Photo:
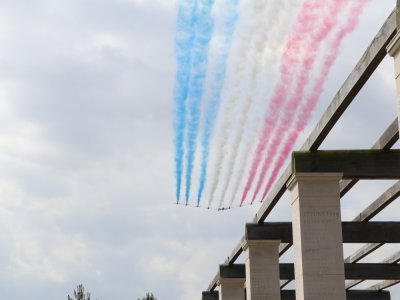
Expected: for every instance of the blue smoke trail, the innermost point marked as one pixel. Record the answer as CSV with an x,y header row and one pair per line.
x,y
203,32
184,38
216,89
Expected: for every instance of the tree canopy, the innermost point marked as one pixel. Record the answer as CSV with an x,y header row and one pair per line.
x,y
79,293
149,296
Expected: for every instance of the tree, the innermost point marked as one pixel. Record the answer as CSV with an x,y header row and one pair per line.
x,y
149,296
79,293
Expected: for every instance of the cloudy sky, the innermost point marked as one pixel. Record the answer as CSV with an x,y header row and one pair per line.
x,y
86,152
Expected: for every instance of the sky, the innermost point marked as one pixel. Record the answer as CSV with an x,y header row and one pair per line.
x,y
87,187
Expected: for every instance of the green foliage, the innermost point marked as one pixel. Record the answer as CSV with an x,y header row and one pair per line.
x,y
79,293
149,296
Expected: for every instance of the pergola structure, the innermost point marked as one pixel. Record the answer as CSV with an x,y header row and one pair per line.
x,y
317,180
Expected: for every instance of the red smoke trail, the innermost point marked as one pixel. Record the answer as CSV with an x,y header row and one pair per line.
x,y
329,22
313,98
289,59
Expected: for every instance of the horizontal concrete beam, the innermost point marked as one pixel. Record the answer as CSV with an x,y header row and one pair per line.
x,y
291,295
232,271
214,295
353,232
369,271
353,164
386,141
393,259
365,271
350,295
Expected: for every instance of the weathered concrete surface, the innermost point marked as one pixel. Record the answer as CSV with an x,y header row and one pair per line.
x,y
317,237
352,164
231,288
262,270
350,295
214,295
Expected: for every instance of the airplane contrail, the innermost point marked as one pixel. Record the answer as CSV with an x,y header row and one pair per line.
x,y
326,25
312,99
233,88
184,37
265,42
203,29
217,81
292,52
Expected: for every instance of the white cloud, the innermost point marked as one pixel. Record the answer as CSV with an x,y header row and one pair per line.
x,y
86,162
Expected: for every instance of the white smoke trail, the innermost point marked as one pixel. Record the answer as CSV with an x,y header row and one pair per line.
x,y
265,52
235,78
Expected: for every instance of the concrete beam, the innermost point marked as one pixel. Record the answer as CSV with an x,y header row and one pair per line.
x,y
371,232
353,164
383,285
398,14
368,271
365,271
353,232
214,295
350,295
372,210
214,283
232,271
385,142
362,252
393,259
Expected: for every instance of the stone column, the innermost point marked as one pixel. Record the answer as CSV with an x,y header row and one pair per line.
x,y
393,49
231,288
262,270
317,236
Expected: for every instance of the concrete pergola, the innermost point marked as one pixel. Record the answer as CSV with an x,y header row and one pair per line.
x,y
317,180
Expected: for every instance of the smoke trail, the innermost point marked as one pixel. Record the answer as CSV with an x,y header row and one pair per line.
x,y
183,44
204,29
263,42
234,88
257,47
244,159
317,90
217,83
290,58
329,22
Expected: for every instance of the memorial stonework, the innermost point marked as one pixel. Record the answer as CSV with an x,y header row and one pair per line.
x,y
262,270
317,237
231,288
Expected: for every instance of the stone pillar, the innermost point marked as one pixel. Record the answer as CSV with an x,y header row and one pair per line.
x,y
262,270
210,295
317,236
393,49
231,288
